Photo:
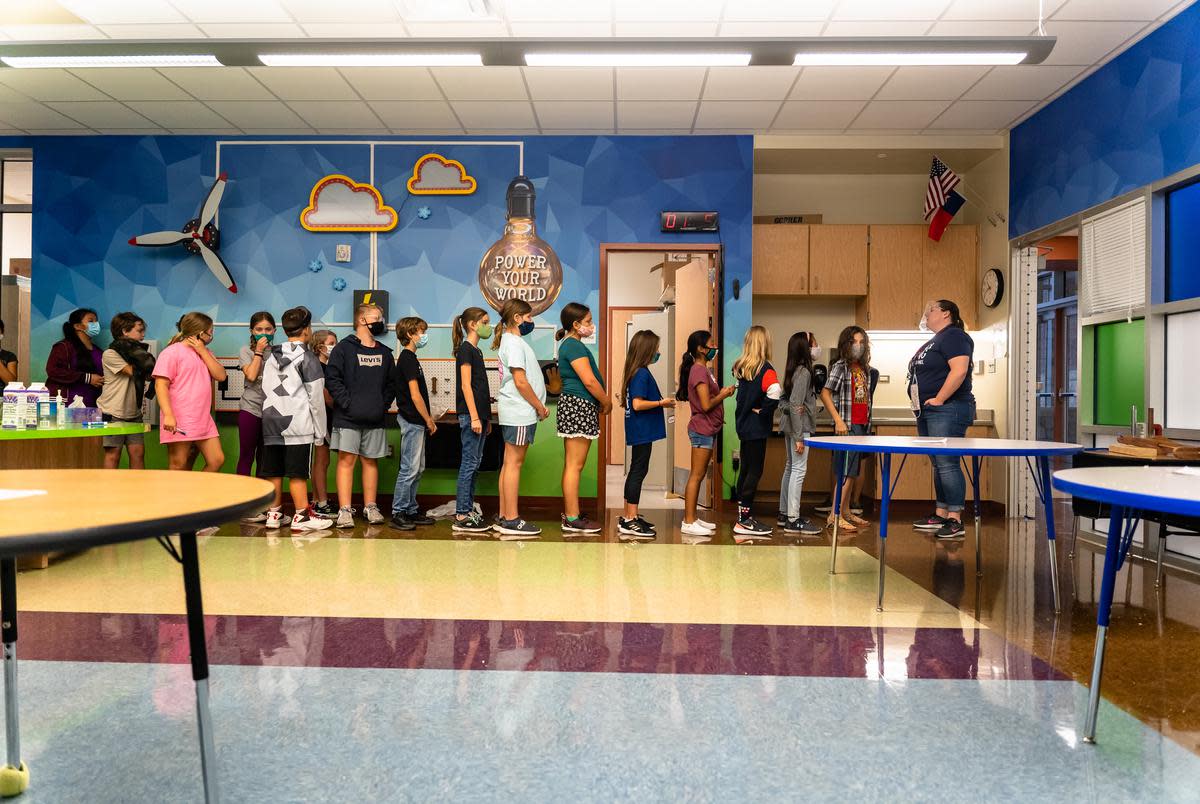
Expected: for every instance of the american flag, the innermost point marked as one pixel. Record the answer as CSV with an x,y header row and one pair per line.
x,y
941,181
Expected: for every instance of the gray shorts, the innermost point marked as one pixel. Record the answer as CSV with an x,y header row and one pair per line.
x,y
366,443
121,440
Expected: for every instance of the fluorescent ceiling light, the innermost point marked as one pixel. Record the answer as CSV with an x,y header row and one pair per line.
x,y
617,59
371,59
839,59
70,62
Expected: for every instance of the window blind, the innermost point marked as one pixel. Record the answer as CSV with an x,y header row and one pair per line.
x,y
1113,270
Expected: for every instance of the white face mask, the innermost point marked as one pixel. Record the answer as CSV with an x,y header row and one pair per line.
x,y
816,352
923,325
856,351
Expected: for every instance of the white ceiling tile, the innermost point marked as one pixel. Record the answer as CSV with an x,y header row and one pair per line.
x,y
736,114
563,30
503,132
49,85
179,114
930,83
336,114
416,114
983,28
107,12
890,9
473,30
765,28
660,114
355,131
392,83
573,132
31,116
481,83
56,132
1086,43
1113,9
834,114
429,132
132,84
569,83
257,114
635,10
360,11
913,115
653,83
159,31
51,33
654,132
204,131
665,29
982,115
217,83
355,30
1022,83
102,114
557,11
232,10
749,83
495,114
281,130
839,83
303,83
9,95
574,114
252,30
1025,10
136,132
779,10
872,28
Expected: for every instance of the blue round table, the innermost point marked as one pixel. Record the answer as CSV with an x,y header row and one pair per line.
x,y
974,448
1129,491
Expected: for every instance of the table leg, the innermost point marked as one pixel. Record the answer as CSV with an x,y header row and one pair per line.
x,y
14,776
837,509
196,640
1048,504
1112,558
883,522
975,462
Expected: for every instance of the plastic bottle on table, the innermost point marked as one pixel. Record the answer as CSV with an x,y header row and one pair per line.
x,y
60,410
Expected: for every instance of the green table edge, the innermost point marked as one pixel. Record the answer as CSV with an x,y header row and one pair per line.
x,y
109,429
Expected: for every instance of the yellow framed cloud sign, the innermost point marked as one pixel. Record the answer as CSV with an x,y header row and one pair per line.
x,y
434,174
337,203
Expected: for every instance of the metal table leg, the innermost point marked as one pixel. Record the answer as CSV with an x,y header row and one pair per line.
x,y
199,650
1112,560
1048,503
883,523
14,776
975,461
837,510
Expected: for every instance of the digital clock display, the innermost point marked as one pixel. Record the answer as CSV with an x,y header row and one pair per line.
x,y
689,221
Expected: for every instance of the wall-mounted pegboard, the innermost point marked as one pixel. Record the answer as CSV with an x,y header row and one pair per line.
x,y
440,379
229,393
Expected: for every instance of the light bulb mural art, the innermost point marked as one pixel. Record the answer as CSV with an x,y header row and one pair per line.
x,y
520,265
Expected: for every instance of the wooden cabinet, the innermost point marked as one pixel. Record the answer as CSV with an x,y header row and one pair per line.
x,y
895,300
949,269
780,259
818,478
837,260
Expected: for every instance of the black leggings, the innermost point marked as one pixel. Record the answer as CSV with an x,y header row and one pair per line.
x,y
754,455
639,465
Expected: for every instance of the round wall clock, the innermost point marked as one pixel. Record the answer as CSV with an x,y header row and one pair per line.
x,y
993,287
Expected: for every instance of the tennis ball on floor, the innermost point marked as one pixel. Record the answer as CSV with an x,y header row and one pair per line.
x,y
13,781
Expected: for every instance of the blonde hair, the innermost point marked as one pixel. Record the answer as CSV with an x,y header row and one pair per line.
x,y
642,348
361,310
458,328
756,352
508,312
191,325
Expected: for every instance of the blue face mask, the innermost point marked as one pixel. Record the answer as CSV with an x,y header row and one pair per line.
x,y
657,355
423,341
525,328
93,329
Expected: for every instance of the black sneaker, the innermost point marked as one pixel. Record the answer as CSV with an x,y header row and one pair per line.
x,y
931,522
401,522
420,519
517,530
781,520
646,523
471,523
580,524
325,509
634,529
751,528
951,529
802,525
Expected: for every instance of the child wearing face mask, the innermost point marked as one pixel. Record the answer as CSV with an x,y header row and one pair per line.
x,y
473,402
847,397
183,382
322,343
521,404
250,358
414,418
75,365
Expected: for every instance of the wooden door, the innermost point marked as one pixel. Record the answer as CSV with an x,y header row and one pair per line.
x,y
780,259
837,260
949,269
693,311
895,272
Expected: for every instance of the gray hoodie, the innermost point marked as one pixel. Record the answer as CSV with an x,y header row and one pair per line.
x,y
791,421
293,385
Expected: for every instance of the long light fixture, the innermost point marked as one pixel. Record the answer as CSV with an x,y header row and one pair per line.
x,y
618,59
896,59
371,59
80,62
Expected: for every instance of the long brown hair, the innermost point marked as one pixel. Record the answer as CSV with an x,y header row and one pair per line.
x,y
261,315
508,312
460,325
191,324
799,355
571,314
846,340
642,348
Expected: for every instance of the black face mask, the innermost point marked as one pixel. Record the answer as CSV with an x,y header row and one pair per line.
x,y
377,328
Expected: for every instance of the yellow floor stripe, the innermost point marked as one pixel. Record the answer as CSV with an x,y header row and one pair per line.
x,y
336,577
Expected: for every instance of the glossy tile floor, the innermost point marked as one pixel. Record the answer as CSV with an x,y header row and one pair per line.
x,y
375,665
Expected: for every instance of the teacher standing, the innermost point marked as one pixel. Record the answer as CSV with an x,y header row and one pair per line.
x,y
939,388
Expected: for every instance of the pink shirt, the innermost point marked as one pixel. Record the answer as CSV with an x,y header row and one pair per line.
x,y
191,394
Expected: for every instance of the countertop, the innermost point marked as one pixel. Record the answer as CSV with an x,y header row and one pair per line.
x,y
74,432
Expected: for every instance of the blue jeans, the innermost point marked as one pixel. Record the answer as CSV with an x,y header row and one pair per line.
x,y
950,420
795,468
412,464
468,467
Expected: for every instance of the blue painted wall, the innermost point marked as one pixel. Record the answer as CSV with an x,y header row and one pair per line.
x,y
1134,121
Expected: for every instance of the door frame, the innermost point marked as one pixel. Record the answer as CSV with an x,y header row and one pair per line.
x,y
715,252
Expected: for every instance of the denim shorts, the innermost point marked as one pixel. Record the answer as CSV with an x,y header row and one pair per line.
x,y
701,441
519,435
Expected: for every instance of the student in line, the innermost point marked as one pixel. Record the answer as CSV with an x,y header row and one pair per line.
x,y
698,387
581,403
321,344
847,397
472,400
758,394
183,382
293,419
128,366
8,362
360,382
796,423
521,403
414,418
74,366
250,358
644,424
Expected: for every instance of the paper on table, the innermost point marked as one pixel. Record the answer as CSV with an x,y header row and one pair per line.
x,y
16,494
1188,470
930,440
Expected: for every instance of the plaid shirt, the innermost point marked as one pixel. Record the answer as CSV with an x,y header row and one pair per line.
x,y
841,387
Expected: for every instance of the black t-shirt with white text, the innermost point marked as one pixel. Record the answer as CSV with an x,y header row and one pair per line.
x,y
930,366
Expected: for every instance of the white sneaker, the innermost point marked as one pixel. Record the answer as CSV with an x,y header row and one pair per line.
x,y
345,518
686,539
278,519
261,516
707,525
303,522
373,514
695,529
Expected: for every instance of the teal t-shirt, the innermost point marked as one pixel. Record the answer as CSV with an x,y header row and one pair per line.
x,y
569,350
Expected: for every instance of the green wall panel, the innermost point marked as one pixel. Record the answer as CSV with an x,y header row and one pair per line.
x,y
1120,379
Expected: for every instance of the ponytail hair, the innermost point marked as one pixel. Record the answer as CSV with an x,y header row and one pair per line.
x,y
69,332
508,312
191,324
571,314
955,316
458,327
695,342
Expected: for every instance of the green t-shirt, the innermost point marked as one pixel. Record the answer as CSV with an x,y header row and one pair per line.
x,y
570,349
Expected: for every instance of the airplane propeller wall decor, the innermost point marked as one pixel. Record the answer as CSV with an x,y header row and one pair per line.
x,y
199,236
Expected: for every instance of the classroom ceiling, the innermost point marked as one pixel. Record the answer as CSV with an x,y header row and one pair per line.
x,y
523,100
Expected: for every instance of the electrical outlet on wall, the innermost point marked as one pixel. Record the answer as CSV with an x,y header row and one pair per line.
x,y
342,253
991,367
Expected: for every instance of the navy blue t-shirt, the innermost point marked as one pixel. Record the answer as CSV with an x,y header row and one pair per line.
x,y
930,366
644,426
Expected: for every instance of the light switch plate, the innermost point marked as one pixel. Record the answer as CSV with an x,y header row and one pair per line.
x,y
342,253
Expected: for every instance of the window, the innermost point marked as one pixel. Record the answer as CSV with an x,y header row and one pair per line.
x,y
16,216
1183,243
1183,405
1113,252
1120,371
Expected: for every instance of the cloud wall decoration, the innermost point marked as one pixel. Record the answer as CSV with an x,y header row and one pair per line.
x,y
337,203
434,174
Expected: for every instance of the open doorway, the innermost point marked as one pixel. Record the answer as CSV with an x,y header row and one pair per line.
x,y
672,291
1057,375
16,252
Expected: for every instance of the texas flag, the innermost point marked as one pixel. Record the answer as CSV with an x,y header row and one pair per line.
x,y
943,216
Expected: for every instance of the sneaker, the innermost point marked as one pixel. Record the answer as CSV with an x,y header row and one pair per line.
x,y
325,509
373,514
261,516
856,509
695,529
515,529
420,520
345,517
401,521
693,539
802,525
931,522
646,523
710,525
824,507
471,523
310,521
751,527
278,519
951,529
634,529
580,524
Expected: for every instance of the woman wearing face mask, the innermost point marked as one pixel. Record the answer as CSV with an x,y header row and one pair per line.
x,y
580,405
183,383
250,358
75,366
939,388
